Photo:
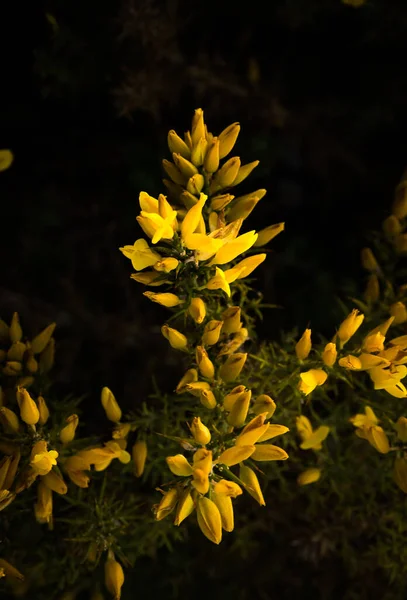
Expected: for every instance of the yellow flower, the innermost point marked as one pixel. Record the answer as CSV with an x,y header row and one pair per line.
x,y
109,403
209,519
303,346
329,354
350,362
399,312
310,439
43,506
232,367
140,254
264,403
166,299
230,398
190,376
200,432
265,452
309,476
368,429
42,459
185,507
390,380
212,332
311,379
67,433
179,465
205,365
192,219
139,455
251,484
218,282
272,431
228,488
166,265
200,481
233,248
55,482
207,398
167,504
349,326
231,320
197,310
156,227
374,342
227,139
114,576
368,419
9,419
269,233
176,339
243,207
244,268
225,507
239,407
236,454
29,412
43,409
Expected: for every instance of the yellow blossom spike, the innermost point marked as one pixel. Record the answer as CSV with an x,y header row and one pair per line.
x,y
316,438
200,432
43,410
398,310
167,504
177,145
179,465
110,405
369,261
266,452
350,362
139,455
67,433
227,139
212,332
232,367
311,379
197,310
309,476
236,454
166,265
232,249
43,506
189,377
251,484
29,412
41,340
173,173
231,319
200,481
165,299
244,171
221,201
9,570
218,282
272,431
15,331
225,507
303,346
372,291
9,420
185,507
349,326
269,233
209,519
207,398
227,488
211,161
205,365
192,218
55,482
148,203
400,473
177,340
329,354
114,576
264,403
239,409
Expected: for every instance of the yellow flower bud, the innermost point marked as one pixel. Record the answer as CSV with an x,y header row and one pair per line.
x,y
303,346
269,233
43,506
47,357
200,481
244,172
173,173
109,403
239,409
251,436
242,208
55,482
226,175
401,428
196,387
185,507
211,162
378,439
329,354
264,403
200,432
179,465
177,145
350,362
308,476
139,455
227,488
272,431
212,332
9,570
369,261
372,291
202,459
230,398
207,399
197,310
225,507
244,268
29,412
391,226
16,351
15,331
190,376
205,365
67,433
198,126
399,312
232,367
177,340
220,202
9,420
236,454
231,320
233,248
39,343
400,473
194,187
349,326
209,519
165,299
227,139
374,342
192,219
114,577
167,504
251,484
184,166
199,151
266,452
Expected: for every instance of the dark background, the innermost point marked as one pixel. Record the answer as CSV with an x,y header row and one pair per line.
x,y
89,91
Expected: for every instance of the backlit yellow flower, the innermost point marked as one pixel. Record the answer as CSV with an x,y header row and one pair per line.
x,y
311,379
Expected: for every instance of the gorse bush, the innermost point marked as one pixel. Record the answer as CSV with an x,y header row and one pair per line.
x,y
306,421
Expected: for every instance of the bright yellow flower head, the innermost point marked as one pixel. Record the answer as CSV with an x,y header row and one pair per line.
x,y
140,254
43,462
311,379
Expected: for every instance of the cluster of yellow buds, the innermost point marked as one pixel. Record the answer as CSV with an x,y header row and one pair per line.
x,y
22,360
